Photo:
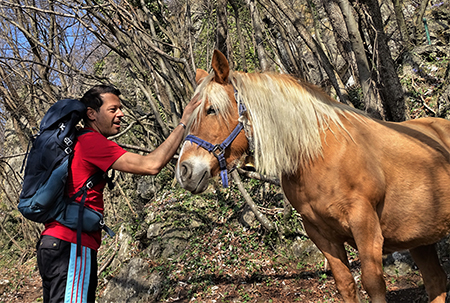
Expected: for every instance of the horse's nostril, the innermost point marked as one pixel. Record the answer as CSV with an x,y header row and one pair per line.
x,y
186,171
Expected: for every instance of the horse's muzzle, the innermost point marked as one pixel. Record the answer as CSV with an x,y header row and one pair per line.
x,y
193,177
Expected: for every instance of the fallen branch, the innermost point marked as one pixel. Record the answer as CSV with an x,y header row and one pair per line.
x,y
426,106
275,211
110,259
10,237
126,199
258,176
259,216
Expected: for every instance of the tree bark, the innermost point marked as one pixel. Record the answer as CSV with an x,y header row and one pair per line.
x,y
259,216
394,102
280,35
371,100
235,7
398,9
16,108
341,36
315,48
222,27
418,26
259,38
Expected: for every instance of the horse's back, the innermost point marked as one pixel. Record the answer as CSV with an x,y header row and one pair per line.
x,y
436,128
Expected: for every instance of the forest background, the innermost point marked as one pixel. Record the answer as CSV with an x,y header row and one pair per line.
x,y
387,57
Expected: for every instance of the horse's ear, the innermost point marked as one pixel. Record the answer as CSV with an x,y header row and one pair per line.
x,y
220,66
200,75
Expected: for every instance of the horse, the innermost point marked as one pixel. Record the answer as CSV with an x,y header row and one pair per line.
x,y
379,186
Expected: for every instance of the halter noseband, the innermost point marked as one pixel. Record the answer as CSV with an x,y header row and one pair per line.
x,y
218,150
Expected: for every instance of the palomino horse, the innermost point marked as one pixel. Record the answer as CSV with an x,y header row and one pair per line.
x,y
379,186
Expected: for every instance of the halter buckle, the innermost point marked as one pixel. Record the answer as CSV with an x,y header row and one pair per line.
x,y
219,148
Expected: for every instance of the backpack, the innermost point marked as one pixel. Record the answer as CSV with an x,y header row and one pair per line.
x,y
42,197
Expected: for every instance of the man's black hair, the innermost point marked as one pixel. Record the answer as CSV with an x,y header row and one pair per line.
x,y
92,98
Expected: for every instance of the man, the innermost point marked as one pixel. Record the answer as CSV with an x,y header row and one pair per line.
x,y
66,277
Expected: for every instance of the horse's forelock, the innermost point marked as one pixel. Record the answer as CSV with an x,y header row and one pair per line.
x,y
211,94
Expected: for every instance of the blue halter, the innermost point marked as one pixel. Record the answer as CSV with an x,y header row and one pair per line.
x,y
218,150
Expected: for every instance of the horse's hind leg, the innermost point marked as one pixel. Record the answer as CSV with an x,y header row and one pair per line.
x,y
433,275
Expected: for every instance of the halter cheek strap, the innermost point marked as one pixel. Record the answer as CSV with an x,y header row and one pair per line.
x,y
218,150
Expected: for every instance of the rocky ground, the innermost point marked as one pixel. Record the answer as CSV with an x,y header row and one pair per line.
x,y
271,284
223,262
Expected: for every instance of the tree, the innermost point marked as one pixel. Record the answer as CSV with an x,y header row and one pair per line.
x,y
222,27
393,99
372,101
259,36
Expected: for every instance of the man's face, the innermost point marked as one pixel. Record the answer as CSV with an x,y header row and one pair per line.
x,y
107,120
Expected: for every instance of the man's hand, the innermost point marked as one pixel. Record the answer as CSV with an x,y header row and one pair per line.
x,y
189,109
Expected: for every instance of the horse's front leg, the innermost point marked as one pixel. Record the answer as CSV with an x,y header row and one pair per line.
x,y
366,231
337,258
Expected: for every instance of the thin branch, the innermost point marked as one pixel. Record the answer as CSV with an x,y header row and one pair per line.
x,y
13,156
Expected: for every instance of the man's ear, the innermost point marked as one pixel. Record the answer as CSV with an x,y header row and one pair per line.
x,y
90,114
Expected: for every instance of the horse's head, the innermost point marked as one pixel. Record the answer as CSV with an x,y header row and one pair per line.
x,y
216,138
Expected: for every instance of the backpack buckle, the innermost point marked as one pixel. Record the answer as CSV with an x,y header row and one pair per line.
x,y
68,150
89,184
67,141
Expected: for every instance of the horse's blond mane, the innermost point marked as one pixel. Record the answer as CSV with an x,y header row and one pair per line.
x,y
287,117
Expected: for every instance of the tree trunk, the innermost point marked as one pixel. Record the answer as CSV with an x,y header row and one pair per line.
x,y
398,9
235,7
268,225
33,36
418,26
189,26
257,27
315,48
371,100
341,37
392,91
16,108
278,32
222,27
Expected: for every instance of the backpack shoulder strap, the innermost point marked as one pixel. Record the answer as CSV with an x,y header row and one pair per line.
x,y
90,183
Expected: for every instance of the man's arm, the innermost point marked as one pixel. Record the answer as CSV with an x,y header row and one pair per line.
x,y
152,163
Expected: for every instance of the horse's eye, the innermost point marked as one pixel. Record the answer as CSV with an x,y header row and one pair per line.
x,y
210,111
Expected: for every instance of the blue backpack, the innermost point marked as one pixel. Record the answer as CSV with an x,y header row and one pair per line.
x,y
42,197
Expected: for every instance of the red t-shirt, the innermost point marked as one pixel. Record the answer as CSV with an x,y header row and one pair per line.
x,y
92,152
